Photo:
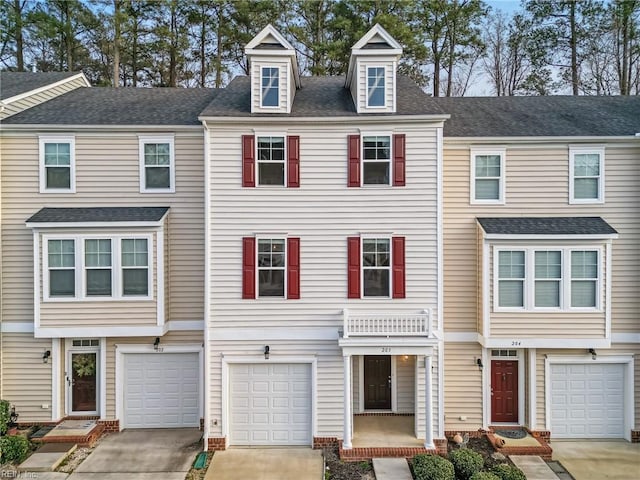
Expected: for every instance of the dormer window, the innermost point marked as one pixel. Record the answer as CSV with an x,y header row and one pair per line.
x,y
375,86
270,92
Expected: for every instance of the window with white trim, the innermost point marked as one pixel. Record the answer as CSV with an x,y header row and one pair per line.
x,y
157,164
376,159
531,279
586,174
97,267
271,267
57,165
376,86
487,176
376,267
271,160
270,87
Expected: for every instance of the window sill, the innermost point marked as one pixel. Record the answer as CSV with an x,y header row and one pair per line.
x,y
96,299
159,190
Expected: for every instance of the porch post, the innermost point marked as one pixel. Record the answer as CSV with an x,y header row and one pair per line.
x,y
428,403
346,439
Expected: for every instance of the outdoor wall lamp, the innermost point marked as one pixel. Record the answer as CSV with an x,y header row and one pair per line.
x,y
479,363
266,352
45,356
593,353
156,344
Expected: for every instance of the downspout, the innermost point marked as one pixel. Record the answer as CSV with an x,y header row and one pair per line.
x,y
207,307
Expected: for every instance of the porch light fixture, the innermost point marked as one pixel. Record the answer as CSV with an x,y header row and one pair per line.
x,y
266,352
593,353
156,344
13,416
45,356
479,363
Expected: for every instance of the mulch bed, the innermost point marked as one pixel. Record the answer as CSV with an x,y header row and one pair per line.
x,y
335,469
482,446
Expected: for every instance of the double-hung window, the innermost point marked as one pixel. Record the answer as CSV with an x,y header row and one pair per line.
x,y
487,176
375,86
57,165
135,267
584,279
271,267
98,267
376,267
548,278
511,278
271,161
586,174
157,164
376,159
270,87
62,268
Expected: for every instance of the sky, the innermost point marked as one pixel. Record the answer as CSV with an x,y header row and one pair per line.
x,y
507,6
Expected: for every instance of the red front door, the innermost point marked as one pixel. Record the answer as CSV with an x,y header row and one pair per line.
x,y
504,391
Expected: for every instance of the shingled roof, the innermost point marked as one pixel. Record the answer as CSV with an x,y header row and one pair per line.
x,y
319,97
98,214
15,83
546,226
120,106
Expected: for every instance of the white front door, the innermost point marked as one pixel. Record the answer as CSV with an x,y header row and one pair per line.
x,y
82,371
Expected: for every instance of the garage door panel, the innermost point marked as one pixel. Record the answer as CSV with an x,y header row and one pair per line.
x,y
279,399
587,400
161,390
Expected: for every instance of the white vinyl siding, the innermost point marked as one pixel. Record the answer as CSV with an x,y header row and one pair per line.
x,y
586,174
488,176
157,164
57,164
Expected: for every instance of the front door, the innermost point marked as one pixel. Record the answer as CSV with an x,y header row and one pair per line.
x,y
377,382
82,382
504,391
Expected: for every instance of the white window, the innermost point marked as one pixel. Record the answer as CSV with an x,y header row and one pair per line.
x,y
584,279
375,86
562,279
586,174
57,165
92,267
271,267
271,160
157,165
376,159
488,176
270,87
376,267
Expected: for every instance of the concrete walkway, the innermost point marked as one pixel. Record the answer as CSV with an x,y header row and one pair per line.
x,y
533,467
266,464
605,460
391,469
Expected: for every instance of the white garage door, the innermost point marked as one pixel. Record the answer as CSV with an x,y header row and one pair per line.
x,y
161,390
587,400
270,404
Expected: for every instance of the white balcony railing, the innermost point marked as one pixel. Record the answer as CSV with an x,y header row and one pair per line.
x,y
386,325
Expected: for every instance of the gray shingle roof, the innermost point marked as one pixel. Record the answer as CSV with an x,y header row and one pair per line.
x,y
546,226
15,83
98,214
120,106
318,97
541,116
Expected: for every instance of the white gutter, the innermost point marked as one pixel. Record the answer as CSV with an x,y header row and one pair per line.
x,y
339,120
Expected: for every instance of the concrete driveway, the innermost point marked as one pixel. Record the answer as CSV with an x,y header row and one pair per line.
x,y
266,464
601,459
142,455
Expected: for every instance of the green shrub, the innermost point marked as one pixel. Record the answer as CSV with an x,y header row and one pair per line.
x,y
5,411
466,462
432,467
508,472
484,476
13,449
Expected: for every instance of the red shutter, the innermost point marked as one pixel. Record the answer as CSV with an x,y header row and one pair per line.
x,y
353,267
293,268
293,161
248,267
398,160
397,255
354,160
248,161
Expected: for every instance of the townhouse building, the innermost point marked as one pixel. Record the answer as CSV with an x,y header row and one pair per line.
x,y
288,258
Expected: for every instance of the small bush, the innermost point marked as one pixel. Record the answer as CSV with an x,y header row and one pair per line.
x,y
5,411
13,449
466,462
508,472
432,467
484,476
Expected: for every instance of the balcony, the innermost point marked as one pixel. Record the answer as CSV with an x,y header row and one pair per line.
x,y
387,325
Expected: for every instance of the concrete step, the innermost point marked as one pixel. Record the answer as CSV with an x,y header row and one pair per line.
x,y
391,469
47,458
533,467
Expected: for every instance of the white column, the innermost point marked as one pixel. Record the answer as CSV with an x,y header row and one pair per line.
x,y
346,439
428,404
